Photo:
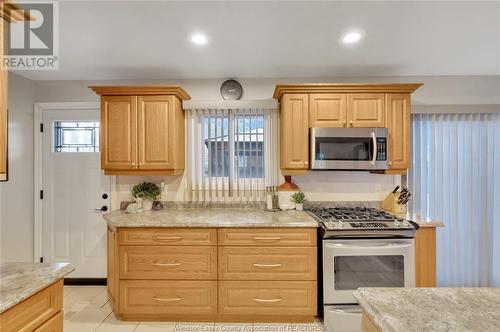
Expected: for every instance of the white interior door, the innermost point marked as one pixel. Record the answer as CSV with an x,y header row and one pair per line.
x,y
73,188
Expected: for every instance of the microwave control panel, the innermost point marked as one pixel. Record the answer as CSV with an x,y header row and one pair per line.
x,y
381,149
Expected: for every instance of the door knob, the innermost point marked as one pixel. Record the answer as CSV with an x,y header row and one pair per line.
x,y
103,209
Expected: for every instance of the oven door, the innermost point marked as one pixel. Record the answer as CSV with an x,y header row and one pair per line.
x,y
349,148
350,264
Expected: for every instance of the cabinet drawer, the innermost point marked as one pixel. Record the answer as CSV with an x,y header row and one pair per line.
x,y
162,262
35,310
168,236
267,236
168,297
55,324
267,298
267,263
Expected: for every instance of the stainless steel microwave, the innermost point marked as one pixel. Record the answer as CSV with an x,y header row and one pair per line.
x,y
349,149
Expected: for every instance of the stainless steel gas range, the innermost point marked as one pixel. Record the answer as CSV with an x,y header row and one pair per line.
x,y
361,247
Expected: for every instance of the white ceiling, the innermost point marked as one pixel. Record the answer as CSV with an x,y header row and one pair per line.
x,y
149,40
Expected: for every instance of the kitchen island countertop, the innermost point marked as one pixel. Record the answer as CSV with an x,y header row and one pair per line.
x,y
19,281
432,309
211,217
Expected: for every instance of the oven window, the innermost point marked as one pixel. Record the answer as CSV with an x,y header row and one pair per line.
x,y
343,148
352,272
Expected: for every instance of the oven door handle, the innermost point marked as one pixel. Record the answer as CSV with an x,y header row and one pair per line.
x,y
370,246
375,150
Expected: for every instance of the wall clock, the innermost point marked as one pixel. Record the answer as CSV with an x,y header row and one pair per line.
x,y
231,90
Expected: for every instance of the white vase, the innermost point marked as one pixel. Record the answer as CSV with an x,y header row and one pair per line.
x,y
147,204
285,200
299,206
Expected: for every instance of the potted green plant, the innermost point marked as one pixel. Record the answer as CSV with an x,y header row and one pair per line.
x,y
148,191
298,198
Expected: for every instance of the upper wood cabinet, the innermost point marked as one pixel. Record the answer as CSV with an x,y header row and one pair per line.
x,y
303,106
4,75
142,130
398,124
327,110
118,132
9,13
294,133
366,110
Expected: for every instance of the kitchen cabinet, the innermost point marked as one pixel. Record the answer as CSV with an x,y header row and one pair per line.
x,y
399,127
218,274
366,110
336,105
328,110
425,257
9,13
4,93
142,130
294,119
39,312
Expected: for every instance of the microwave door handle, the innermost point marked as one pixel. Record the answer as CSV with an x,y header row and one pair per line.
x,y
375,150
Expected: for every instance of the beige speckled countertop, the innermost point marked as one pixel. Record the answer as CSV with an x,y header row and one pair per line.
x,y
18,281
432,309
211,217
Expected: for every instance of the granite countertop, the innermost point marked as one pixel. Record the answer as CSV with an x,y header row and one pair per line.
x,y
432,309
18,281
211,217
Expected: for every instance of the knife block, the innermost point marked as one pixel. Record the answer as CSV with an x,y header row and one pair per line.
x,y
390,203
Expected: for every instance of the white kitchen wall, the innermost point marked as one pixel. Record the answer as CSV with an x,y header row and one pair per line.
x,y
317,185
16,206
16,195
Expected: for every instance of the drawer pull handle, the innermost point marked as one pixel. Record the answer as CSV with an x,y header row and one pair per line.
x,y
172,299
267,265
269,238
268,300
166,238
167,264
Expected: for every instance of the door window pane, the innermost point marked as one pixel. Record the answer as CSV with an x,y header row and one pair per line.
x,y
352,272
76,136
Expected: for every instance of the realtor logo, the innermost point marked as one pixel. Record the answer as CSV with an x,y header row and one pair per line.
x,y
33,44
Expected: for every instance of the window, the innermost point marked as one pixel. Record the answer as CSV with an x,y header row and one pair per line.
x,y
76,136
231,153
234,145
455,178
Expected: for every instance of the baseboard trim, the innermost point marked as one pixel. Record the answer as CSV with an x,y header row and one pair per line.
x,y
85,281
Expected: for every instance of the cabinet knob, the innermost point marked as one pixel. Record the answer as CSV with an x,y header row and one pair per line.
x,y
345,123
132,165
390,163
351,124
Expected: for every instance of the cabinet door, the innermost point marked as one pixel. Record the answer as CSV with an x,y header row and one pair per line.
x,y
398,125
3,107
294,132
119,132
327,110
156,132
366,110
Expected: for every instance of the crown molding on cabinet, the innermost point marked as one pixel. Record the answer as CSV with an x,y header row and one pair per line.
x,y
148,90
345,88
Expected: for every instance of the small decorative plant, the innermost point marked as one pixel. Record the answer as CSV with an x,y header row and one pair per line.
x,y
146,190
298,198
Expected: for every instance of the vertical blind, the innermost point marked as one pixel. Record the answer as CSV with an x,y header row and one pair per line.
x,y
455,175
232,154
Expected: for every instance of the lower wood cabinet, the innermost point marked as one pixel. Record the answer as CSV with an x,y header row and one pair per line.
x,y
425,257
36,313
270,298
168,298
226,274
267,263
168,262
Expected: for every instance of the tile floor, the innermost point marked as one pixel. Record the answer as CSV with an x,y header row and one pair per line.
x,y
86,309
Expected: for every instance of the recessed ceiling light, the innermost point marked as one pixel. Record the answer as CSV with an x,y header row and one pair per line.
x,y
352,37
199,39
